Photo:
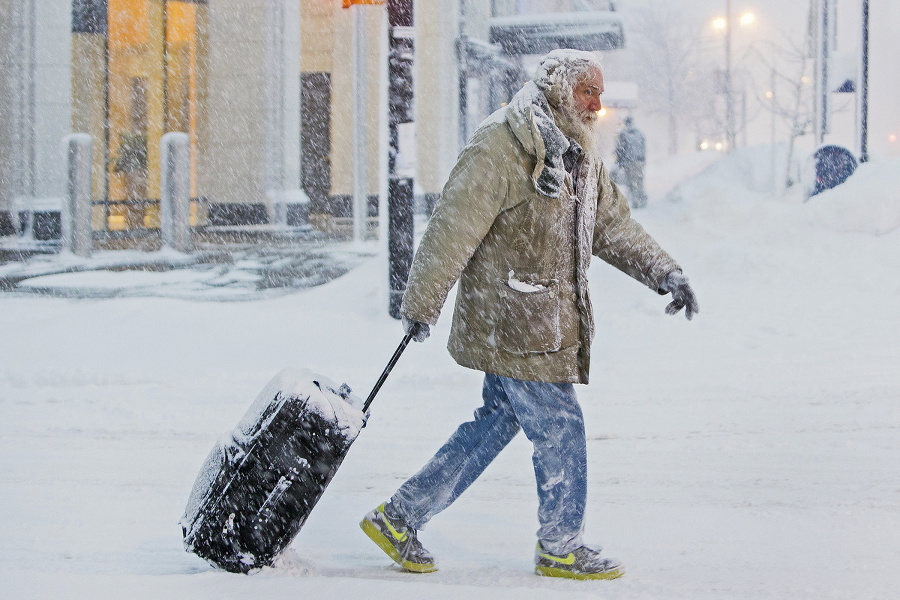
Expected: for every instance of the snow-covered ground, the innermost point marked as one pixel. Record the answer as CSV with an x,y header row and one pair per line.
x,y
751,453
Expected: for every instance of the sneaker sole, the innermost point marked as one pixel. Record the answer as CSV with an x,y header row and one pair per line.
x,y
565,573
385,544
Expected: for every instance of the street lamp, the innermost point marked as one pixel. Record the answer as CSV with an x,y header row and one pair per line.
x,y
724,24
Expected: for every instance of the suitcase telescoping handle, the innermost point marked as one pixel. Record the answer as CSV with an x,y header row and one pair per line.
x,y
387,370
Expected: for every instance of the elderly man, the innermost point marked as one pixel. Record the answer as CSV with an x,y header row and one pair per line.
x,y
526,206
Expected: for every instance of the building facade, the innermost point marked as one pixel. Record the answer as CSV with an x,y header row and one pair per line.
x,y
128,71
264,89
35,105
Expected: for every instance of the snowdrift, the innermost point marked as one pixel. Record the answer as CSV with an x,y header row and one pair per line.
x,y
868,202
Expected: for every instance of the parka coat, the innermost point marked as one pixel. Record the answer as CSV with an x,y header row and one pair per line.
x,y
521,257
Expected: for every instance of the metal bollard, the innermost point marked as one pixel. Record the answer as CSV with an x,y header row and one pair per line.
x,y
75,220
175,192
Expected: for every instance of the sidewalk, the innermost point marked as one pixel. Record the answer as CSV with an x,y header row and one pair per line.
x,y
226,265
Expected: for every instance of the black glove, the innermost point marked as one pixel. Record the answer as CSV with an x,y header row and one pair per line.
x,y
682,295
419,330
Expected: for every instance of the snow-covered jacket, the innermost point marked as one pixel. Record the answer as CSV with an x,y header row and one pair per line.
x,y
521,256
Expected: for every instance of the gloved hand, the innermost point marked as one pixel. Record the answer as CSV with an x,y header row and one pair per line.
x,y
419,330
682,295
552,177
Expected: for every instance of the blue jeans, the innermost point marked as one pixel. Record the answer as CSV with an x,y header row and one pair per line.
x,y
551,418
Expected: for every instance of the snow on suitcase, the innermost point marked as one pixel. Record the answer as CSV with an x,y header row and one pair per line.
x,y
260,482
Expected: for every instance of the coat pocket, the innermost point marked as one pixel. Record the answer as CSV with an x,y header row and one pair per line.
x,y
529,320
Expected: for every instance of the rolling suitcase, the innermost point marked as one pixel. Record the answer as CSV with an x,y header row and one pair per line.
x,y
261,480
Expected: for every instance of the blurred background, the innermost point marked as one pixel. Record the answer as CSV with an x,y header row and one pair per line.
x,y
267,91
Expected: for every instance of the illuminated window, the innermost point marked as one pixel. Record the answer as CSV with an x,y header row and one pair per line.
x,y
152,89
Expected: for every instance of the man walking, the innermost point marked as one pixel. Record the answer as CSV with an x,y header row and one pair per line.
x,y
631,156
526,206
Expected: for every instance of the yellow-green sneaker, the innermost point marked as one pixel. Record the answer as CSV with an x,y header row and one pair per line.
x,y
397,540
581,563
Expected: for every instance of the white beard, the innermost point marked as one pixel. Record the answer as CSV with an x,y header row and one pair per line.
x,y
580,125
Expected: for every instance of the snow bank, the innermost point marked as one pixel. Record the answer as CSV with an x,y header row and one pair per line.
x,y
868,202
738,190
745,173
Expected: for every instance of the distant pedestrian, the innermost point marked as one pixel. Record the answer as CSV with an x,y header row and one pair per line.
x,y
527,205
631,156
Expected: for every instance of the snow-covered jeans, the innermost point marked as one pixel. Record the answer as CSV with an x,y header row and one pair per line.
x,y
551,418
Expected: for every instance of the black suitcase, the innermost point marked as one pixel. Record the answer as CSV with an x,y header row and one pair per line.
x,y
260,482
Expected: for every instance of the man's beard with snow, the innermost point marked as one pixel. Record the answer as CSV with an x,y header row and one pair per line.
x,y
578,124
557,76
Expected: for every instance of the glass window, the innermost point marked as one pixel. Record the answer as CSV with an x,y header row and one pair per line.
x,y
152,89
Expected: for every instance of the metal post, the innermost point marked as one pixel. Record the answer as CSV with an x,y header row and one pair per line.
x,y
400,184
29,105
274,107
775,186
360,138
731,135
864,87
823,50
743,117
175,191
75,221
462,45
